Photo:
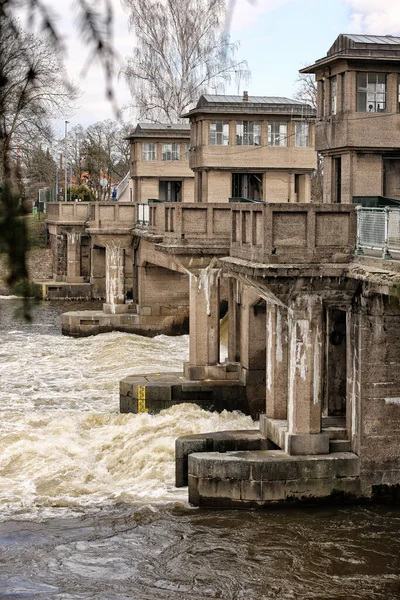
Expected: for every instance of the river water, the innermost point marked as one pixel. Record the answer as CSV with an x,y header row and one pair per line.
x,y
88,509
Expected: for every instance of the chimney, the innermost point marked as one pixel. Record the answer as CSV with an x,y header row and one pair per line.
x,y
245,96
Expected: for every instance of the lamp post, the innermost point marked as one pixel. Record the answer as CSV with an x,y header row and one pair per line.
x,y
65,162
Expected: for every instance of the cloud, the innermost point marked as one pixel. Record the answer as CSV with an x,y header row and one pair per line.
x,y
246,13
375,16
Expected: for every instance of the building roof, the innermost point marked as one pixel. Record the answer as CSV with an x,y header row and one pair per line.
x,y
160,130
366,47
249,104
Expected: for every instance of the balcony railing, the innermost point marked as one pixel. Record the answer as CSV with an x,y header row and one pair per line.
x,y
116,215
68,212
293,233
191,223
378,229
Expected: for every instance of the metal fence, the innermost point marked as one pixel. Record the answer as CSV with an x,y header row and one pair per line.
x,y
143,215
378,229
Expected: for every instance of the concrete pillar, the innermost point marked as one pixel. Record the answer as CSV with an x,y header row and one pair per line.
x,y
277,362
292,189
204,319
74,257
233,320
115,279
305,378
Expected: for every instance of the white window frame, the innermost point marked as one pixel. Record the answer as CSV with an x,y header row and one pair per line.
x,y
277,133
219,133
333,95
149,151
248,133
171,151
371,97
302,134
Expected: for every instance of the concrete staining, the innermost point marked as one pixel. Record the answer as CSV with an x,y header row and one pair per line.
x,y
288,325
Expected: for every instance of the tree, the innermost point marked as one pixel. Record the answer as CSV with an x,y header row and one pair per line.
x,y
40,171
30,91
95,22
181,52
307,92
106,156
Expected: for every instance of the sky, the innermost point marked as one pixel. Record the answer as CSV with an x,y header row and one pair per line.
x,y
277,38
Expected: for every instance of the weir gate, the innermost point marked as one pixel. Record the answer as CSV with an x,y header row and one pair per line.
x,y
313,337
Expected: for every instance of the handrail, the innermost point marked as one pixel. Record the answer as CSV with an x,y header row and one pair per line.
x,y
378,229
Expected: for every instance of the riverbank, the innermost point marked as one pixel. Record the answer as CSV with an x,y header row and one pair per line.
x,y
39,267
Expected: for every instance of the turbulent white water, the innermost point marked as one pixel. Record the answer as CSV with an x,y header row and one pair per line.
x,y
62,441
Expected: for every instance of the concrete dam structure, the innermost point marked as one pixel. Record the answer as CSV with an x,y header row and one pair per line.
x,y
312,291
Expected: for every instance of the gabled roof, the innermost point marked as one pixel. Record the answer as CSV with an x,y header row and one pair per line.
x,y
364,47
249,104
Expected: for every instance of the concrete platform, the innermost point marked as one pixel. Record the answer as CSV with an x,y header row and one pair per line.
x,y
93,322
157,391
263,478
219,441
53,290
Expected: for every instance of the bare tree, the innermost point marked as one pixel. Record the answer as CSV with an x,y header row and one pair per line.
x,y
106,156
307,92
182,51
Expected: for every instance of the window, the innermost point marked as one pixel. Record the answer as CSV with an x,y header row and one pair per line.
x,y
187,148
170,152
301,133
371,92
398,94
337,179
248,133
277,134
170,191
219,133
149,151
333,95
247,185
343,95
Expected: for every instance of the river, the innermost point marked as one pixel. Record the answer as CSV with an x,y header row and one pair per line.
x,y
88,508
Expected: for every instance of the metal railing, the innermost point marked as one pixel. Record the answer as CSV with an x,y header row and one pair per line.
x,y
378,229
143,215
121,187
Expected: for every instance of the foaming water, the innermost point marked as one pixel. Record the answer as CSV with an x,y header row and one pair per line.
x,y
88,509
62,441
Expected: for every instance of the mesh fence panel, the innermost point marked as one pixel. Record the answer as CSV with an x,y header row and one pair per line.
x,y
371,228
394,230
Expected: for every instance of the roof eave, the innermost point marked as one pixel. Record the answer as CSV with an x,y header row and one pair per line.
x,y
336,57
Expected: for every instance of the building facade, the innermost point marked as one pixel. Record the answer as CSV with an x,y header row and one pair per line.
x,y
256,148
357,129
159,163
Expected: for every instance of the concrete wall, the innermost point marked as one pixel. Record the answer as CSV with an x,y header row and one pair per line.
x,y
373,411
278,233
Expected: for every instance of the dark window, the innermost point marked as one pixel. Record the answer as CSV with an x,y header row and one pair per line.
x,y
247,185
337,178
170,191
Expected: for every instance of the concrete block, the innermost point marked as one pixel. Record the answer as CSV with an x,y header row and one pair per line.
x,y
250,490
145,311
271,491
339,446
115,309
304,444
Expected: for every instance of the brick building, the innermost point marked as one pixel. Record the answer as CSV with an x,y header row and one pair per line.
x,y
252,147
159,163
357,129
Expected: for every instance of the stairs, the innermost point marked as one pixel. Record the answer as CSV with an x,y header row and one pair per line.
x,y
335,427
